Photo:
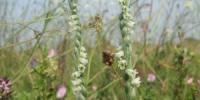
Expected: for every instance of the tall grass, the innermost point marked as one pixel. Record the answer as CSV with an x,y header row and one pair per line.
x,y
59,62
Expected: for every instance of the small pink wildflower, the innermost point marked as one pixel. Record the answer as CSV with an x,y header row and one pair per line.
x,y
61,92
151,77
5,86
51,53
189,81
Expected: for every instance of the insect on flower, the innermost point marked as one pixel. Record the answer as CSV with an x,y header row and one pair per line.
x,y
108,57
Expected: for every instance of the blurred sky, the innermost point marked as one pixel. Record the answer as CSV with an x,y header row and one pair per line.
x,y
26,10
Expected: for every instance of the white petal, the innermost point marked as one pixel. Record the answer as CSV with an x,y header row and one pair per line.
x,y
76,74
83,61
83,48
83,54
136,81
81,68
77,89
119,54
76,82
131,24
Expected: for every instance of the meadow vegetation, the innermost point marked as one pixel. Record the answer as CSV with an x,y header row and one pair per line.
x,y
73,69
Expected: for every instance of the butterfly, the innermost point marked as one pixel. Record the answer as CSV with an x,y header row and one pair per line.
x,y
108,57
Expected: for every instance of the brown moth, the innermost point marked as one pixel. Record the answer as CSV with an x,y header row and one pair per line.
x,y
108,57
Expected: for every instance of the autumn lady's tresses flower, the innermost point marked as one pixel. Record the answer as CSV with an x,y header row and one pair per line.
x,y
124,52
78,87
119,54
135,81
5,87
61,92
151,77
121,61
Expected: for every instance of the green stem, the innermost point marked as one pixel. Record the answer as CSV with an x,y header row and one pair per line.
x,y
106,87
96,75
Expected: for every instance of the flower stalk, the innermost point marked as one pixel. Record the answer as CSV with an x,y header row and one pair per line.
x,y
78,87
124,52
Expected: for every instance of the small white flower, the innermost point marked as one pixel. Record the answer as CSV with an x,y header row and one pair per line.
x,y
83,61
81,68
126,15
83,49
119,54
74,10
131,72
121,67
73,23
83,54
125,8
73,17
136,82
76,74
122,64
125,29
131,24
76,82
75,28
